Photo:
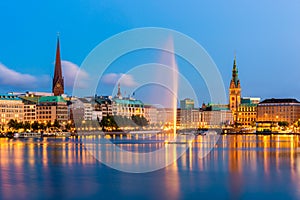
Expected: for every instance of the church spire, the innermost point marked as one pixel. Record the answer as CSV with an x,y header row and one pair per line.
x,y
234,92
58,81
119,90
235,73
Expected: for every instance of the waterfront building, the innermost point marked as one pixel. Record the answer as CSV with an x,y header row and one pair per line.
x,y
127,107
234,92
11,107
165,117
247,111
76,110
51,108
58,81
30,103
187,104
151,114
272,111
87,107
188,118
102,107
215,115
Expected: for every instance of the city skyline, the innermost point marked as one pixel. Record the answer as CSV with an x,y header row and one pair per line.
x,y
27,56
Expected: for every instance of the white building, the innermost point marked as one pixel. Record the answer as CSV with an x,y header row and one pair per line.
x,y
127,107
151,114
88,109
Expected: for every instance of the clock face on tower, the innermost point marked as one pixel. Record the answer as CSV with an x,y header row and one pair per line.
x,y
58,85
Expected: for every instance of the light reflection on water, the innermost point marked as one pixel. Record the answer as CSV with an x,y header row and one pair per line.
x,y
243,166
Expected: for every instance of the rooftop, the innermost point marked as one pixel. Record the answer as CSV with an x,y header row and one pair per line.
x,y
9,97
273,100
128,101
30,100
55,99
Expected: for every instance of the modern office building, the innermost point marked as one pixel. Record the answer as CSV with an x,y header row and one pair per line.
x,y
187,104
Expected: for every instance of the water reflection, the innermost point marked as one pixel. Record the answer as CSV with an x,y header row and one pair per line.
x,y
239,166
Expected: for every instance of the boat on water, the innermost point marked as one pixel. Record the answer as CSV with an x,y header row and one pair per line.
x,y
144,132
188,132
27,135
62,134
210,133
57,134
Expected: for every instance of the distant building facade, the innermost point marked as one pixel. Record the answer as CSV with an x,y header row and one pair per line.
x,y
151,114
188,118
215,115
187,104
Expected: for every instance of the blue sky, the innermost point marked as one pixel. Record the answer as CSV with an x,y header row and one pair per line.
x,y
263,34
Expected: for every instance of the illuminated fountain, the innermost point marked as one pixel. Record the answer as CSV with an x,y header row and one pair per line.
x,y
174,68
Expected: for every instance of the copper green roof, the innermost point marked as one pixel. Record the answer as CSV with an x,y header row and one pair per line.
x,y
55,99
30,99
128,101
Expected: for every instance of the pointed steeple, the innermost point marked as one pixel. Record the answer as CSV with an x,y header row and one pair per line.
x,y
235,74
58,81
119,90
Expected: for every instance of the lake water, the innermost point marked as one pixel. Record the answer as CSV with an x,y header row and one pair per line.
x,y
238,167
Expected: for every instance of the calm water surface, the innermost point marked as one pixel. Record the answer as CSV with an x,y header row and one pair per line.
x,y
239,167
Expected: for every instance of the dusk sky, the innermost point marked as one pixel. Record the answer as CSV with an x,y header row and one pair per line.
x,y
264,35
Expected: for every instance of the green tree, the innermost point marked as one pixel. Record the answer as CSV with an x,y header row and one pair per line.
x,y
139,120
283,124
26,126
56,124
35,126
108,122
13,124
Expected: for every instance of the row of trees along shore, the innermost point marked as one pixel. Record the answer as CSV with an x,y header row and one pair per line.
x,y
14,125
117,122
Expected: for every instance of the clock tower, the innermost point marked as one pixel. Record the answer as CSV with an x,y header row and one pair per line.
x,y
58,80
234,91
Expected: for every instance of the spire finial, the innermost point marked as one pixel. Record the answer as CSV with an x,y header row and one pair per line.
x,y
119,90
